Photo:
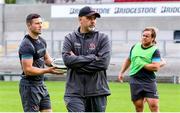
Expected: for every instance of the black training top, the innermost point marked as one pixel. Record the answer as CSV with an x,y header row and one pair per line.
x,y
86,74
33,49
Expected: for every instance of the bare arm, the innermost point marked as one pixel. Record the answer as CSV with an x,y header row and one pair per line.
x,y
48,60
154,66
30,70
157,62
124,67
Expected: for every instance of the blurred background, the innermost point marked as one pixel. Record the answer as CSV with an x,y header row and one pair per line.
x,y
122,21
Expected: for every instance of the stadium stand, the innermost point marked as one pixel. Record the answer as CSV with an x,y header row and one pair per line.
x,y
63,1
123,33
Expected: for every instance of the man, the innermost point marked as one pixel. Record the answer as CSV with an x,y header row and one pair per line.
x,y
86,53
144,60
33,56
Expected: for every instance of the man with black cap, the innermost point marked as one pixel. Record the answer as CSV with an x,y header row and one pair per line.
x,y
86,53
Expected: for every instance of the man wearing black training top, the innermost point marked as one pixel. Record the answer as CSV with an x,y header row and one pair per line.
x,y
33,56
86,53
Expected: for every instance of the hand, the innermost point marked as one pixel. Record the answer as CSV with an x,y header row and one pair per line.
x,y
71,53
120,77
54,70
62,71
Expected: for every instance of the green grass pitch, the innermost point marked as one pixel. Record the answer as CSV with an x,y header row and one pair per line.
x,y
118,101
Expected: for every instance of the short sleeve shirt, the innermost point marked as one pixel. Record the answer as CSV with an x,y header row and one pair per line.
x,y
33,49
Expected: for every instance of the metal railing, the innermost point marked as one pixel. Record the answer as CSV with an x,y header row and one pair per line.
x,y
120,48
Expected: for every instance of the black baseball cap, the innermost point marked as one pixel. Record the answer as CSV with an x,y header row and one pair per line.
x,y
88,11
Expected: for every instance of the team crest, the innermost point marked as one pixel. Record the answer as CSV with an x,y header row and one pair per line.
x,y
92,46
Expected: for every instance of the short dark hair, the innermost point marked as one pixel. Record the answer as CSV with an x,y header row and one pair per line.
x,y
32,16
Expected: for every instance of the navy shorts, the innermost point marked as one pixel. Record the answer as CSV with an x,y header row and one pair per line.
x,y
34,97
146,90
86,104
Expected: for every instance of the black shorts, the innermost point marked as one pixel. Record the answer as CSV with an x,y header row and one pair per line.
x,y
34,97
146,90
86,104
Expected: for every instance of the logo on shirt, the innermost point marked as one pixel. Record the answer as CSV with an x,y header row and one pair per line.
x,y
92,46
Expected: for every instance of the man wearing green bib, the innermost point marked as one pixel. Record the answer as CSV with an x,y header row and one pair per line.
x,y
144,60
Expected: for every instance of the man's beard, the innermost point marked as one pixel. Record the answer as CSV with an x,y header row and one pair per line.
x,y
91,28
147,44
